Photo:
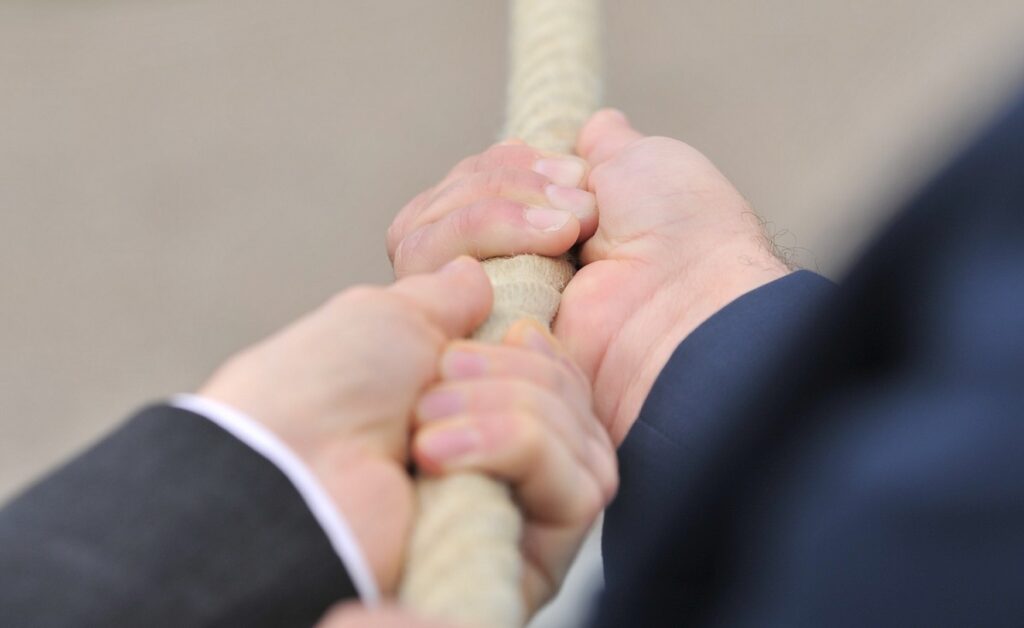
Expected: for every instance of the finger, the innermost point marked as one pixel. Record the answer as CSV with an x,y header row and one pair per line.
x,y
525,186
569,417
549,480
529,353
491,228
565,170
484,397
526,176
457,299
404,220
531,334
467,360
607,132
354,615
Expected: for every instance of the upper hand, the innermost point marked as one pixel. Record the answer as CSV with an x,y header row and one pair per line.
x,y
509,199
339,387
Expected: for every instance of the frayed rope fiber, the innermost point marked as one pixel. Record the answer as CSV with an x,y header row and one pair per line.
x,y
463,563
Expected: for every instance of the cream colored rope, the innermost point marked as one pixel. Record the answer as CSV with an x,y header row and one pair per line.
x,y
463,563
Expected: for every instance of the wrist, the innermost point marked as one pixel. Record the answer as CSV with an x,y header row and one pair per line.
x,y
375,496
683,300
364,482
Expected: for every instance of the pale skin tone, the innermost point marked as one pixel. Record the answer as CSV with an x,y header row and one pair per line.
x,y
673,244
377,375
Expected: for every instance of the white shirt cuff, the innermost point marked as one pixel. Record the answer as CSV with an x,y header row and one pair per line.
x,y
268,445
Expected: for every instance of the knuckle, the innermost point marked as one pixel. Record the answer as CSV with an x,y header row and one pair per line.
x,y
537,397
465,224
406,220
393,237
502,210
405,252
469,223
497,182
528,435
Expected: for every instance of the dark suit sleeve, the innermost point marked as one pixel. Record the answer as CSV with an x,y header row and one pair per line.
x,y
718,363
872,474
169,521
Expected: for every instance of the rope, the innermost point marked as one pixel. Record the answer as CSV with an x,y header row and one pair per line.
x,y
463,563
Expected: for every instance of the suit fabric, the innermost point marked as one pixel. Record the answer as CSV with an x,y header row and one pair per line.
x,y
169,521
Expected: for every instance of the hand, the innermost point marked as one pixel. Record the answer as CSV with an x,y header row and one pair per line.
x,y
521,411
339,387
675,243
509,199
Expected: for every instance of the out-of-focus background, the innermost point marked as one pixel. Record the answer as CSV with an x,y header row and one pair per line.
x,y
179,179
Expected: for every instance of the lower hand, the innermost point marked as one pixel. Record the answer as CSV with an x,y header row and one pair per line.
x,y
340,385
519,411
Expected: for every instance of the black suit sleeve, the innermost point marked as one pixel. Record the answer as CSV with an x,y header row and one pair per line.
x,y
169,521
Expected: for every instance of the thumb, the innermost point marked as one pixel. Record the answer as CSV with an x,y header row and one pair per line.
x,y
457,298
357,616
607,132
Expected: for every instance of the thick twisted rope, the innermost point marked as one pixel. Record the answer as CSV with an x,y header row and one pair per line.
x,y
464,564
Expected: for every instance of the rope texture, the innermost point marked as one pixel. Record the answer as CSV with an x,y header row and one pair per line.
x,y
463,564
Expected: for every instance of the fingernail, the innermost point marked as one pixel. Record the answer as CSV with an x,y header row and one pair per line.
x,y
459,364
446,444
546,219
442,403
565,171
575,200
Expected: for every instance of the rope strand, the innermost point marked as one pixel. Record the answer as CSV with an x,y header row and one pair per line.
x,y
463,563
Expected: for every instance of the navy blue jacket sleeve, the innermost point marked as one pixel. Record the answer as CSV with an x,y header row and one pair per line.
x,y
169,521
870,473
718,363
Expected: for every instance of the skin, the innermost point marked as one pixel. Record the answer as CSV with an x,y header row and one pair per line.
x,y
520,411
674,243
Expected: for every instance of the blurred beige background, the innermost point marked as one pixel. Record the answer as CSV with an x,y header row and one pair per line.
x,y
179,179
